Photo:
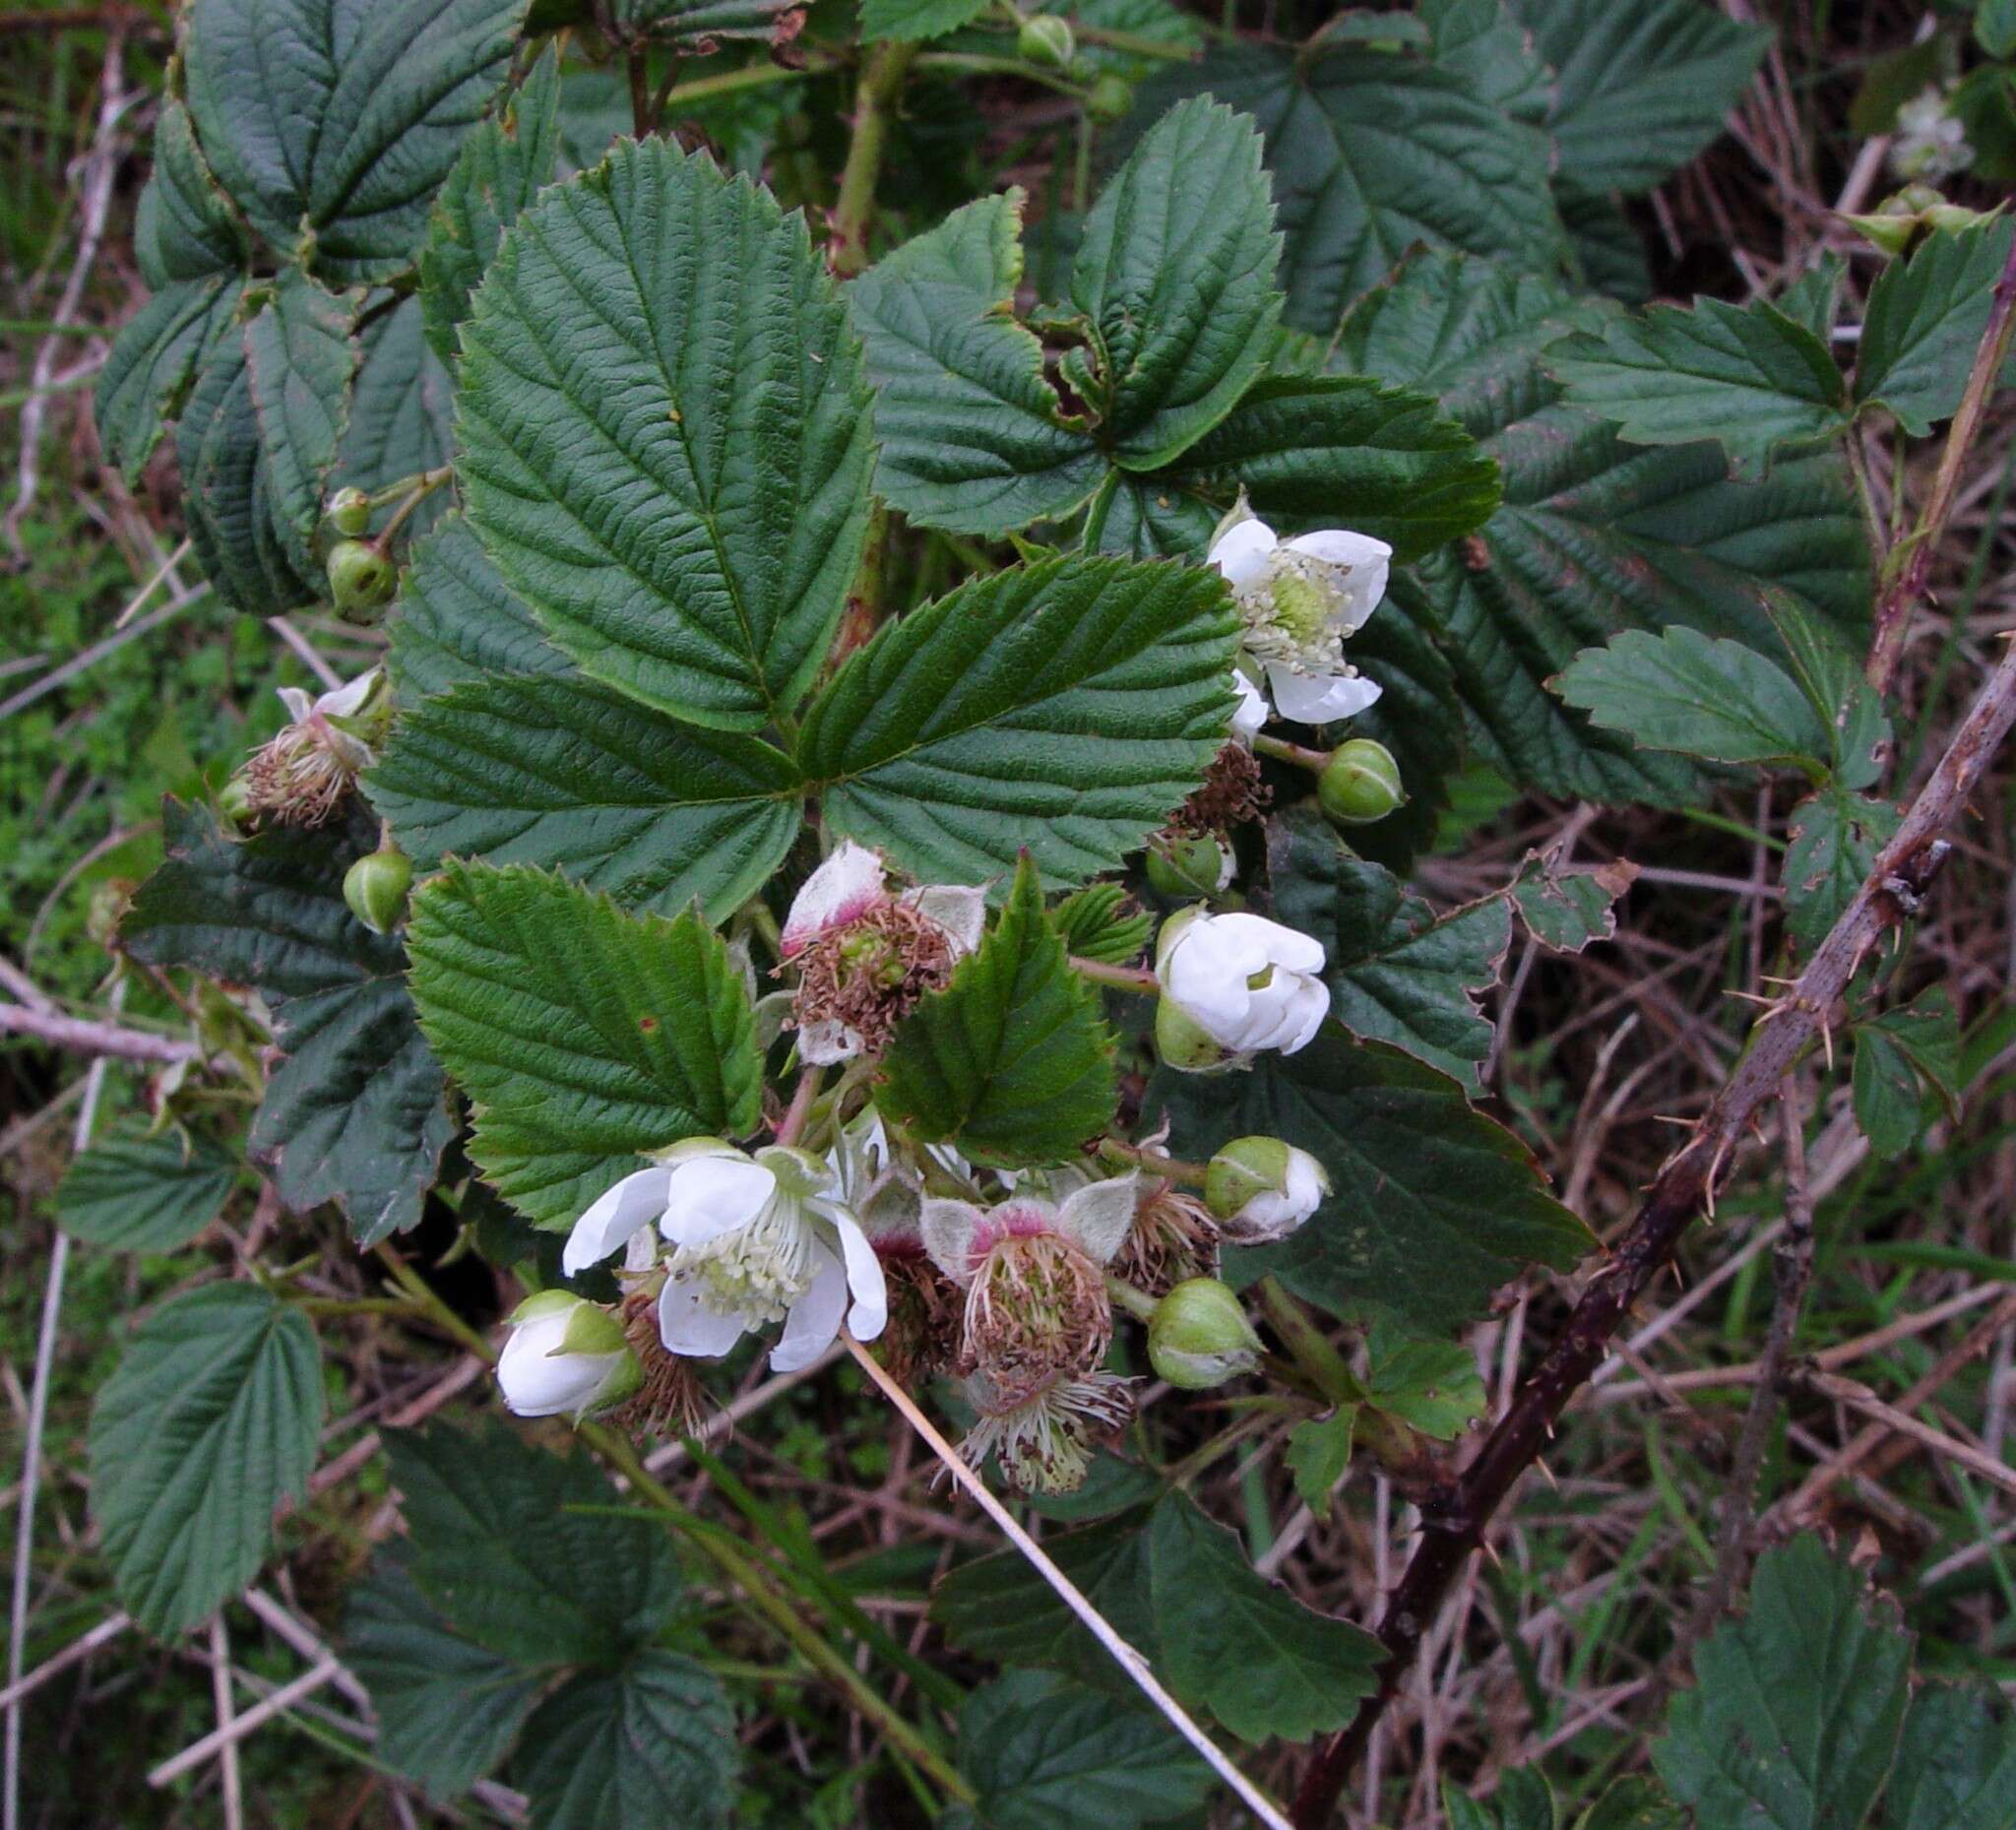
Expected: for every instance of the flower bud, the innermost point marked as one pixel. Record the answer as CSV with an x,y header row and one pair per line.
x,y
234,802
565,1355
1109,98
1183,1044
1360,784
361,579
1260,1189
1199,1337
375,888
1045,39
350,511
1189,864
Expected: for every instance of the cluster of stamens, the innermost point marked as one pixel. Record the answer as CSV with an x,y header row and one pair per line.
x,y
757,1270
1174,1240
1043,1439
923,1335
868,974
301,776
1036,1311
1230,793
671,1398
1291,612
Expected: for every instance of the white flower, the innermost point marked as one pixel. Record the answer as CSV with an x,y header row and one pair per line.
x,y
565,1356
1261,1189
329,716
1246,982
866,956
1250,714
756,1240
1300,600
1931,140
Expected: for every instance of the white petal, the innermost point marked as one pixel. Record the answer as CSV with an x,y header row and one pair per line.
x,y
1101,1215
1240,552
1251,712
870,1311
708,1196
1282,946
848,884
688,1327
1367,561
300,706
1320,698
826,1041
948,1228
636,1201
961,912
538,1380
348,701
1310,1005
814,1319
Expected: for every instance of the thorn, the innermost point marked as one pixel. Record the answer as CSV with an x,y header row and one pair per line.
x,y
1484,1545
1827,1044
1753,997
1665,1119
1772,978
1539,1463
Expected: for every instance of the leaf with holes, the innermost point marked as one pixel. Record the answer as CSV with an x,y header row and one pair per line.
x,y
1831,845
1567,911
145,1192
1012,1061
663,434
583,1036
209,1423
1066,708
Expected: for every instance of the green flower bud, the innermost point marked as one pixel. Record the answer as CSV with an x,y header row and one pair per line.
x,y
375,888
566,1357
1044,39
1183,1044
1360,784
1109,98
1194,865
361,579
234,802
350,511
1199,1337
1260,1189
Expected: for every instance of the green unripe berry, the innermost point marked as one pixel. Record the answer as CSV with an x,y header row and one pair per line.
x,y
375,888
1199,1337
1187,866
1044,39
361,579
1360,784
350,511
1109,98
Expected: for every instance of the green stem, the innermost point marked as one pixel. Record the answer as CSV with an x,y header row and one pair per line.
x,y
430,480
1319,1361
1169,1169
1137,1303
731,81
1282,751
846,249
969,63
425,1298
355,1305
1120,978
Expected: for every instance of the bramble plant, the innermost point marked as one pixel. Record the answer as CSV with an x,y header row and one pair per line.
x,y
903,710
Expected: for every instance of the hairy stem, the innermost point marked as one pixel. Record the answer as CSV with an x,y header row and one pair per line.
x,y
82,1036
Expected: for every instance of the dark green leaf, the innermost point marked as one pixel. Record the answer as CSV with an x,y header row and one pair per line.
x,y
186,228
583,1036
1066,709
664,436
402,413
1524,1801
1568,911
1433,1386
694,25
1831,673
1901,1057
209,1423
517,1549
917,19
1431,1206
145,1192
1924,322
152,360
1102,923
1605,244
299,358
1318,1453
563,773
1994,27
1832,843
457,620
1013,1060
1045,1754
1479,41
1150,518
355,1111
1956,1763
1633,1805
642,1748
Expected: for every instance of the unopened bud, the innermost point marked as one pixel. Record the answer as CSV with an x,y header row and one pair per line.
x,y
1199,1337
234,802
350,511
1188,865
565,1355
361,579
1183,1044
1260,1189
1359,784
1109,98
375,888
1044,39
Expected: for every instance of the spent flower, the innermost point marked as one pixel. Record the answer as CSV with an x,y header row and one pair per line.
x,y
1931,140
301,776
1043,1439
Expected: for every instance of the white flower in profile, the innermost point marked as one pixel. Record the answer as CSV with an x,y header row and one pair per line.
x,y
1246,983
866,956
1931,140
1300,600
566,1357
755,1239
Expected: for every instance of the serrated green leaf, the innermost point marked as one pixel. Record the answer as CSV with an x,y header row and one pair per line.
x,y
1397,971
692,24
1150,518
354,1112
1066,708
300,360
1524,1801
973,435
1433,1386
583,1036
1750,377
1638,90
1831,674
1633,1805
1175,274
1431,1206
566,773
209,1423
1831,845
501,166
1102,923
145,1192
1956,1762
640,1748
1814,297
1046,1754
186,226
151,359
1605,244
1796,1708
1177,1588
1568,911
1480,41
917,19
1318,1453
1012,1060
1372,152
332,122
1679,691
1347,451
457,620
1925,321
1900,1057
448,1711
518,1551
663,434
